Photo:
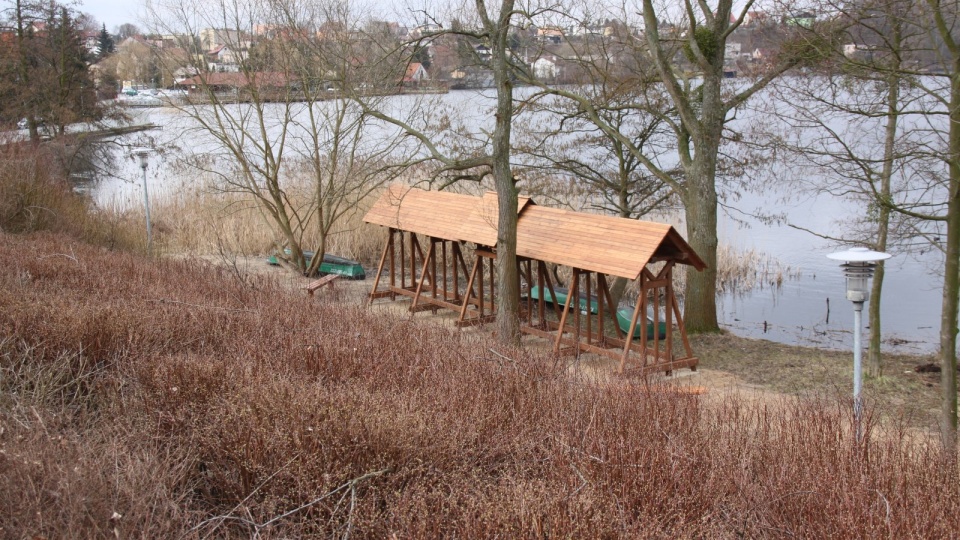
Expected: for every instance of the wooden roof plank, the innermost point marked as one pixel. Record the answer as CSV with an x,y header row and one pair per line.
x,y
610,245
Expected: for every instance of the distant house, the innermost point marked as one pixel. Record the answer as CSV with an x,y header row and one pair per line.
x,y
425,30
223,58
483,52
553,35
416,74
211,38
545,68
266,83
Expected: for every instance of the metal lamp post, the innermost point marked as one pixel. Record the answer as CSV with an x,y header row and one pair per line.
x,y
144,154
858,268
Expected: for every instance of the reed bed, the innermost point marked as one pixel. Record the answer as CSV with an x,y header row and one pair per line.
x,y
200,219
145,398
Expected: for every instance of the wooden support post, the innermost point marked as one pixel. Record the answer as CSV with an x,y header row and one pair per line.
x,y
443,247
383,258
628,341
403,264
423,275
563,317
588,281
466,299
541,311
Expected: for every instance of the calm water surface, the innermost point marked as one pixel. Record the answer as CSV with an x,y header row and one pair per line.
x,y
794,312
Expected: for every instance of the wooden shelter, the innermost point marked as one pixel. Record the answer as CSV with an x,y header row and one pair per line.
x,y
438,277
593,246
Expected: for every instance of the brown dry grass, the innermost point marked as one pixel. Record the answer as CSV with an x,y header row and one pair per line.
x,y
172,399
36,196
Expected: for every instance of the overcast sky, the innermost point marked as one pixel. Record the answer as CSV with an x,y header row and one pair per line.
x,y
113,13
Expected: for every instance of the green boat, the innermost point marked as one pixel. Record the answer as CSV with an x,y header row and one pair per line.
x,y
561,294
623,320
623,314
331,265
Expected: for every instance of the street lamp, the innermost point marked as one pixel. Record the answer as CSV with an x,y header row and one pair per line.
x,y
858,268
144,155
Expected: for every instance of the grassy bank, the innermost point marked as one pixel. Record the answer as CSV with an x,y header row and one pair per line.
x,y
170,399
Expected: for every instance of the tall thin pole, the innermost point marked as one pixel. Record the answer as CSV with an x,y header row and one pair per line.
x,y
857,368
146,203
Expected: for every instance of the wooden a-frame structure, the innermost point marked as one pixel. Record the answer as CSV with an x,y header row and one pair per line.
x,y
438,276
593,246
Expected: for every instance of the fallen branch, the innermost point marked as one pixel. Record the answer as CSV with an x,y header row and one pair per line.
x,y
166,301
257,527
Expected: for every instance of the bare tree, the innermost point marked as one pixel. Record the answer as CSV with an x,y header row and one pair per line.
x,y
494,26
886,121
846,128
568,159
302,159
696,105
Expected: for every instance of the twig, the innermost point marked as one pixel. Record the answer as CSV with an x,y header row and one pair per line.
x,y
583,485
239,504
352,484
508,359
74,259
886,503
166,301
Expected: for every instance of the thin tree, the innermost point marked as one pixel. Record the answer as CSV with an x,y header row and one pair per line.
x,y
847,130
573,163
493,26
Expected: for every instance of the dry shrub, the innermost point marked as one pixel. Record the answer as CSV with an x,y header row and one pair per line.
x,y
207,405
35,195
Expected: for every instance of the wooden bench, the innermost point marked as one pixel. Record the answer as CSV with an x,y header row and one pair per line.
x,y
325,281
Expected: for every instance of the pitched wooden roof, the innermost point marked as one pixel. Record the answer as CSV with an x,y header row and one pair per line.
x,y
440,214
433,213
480,227
610,245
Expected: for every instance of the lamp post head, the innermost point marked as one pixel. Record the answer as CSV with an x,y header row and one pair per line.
x,y
143,154
858,268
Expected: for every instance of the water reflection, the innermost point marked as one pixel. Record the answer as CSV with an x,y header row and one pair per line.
x,y
809,307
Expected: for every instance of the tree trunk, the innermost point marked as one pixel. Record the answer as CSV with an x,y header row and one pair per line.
x,y
508,278
700,202
874,359
948,318
699,300
951,279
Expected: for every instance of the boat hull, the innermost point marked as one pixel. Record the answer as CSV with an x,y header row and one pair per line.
x,y
331,265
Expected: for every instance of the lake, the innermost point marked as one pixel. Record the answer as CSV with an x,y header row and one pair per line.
x,y
794,312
